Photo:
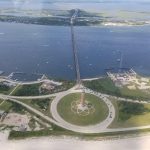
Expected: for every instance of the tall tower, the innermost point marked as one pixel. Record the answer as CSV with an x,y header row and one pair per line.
x,y
82,100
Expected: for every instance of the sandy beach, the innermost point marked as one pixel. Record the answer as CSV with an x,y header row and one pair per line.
x,y
46,143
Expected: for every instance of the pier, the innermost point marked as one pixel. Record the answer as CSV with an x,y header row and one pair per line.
x,y
74,48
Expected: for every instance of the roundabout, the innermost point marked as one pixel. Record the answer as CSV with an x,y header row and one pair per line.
x,y
91,113
74,110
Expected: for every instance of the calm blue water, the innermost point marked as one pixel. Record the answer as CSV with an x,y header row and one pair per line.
x,y
47,49
36,49
100,47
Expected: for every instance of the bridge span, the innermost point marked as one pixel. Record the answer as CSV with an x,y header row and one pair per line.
x,y
74,48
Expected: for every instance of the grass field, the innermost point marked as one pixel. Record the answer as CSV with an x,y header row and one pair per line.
x,y
1,100
6,106
27,90
135,94
132,118
105,85
5,89
42,105
100,113
34,89
9,106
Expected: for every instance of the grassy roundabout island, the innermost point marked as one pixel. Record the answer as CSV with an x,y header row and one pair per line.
x,y
97,112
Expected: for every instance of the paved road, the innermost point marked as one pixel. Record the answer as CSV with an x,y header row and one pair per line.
x,y
104,96
50,120
55,94
51,95
88,129
95,129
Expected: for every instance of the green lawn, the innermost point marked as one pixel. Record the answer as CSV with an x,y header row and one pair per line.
x,y
102,85
43,105
14,135
1,100
67,84
27,90
40,133
100,113
33,89
5,89
135,94
105,85
131,115
11,106
6,106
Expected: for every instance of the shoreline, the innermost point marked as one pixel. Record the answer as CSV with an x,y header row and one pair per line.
x,y
101,24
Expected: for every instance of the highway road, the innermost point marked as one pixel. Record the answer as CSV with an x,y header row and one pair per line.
x,y
99,128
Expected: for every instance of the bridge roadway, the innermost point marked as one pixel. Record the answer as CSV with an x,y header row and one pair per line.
x,y
74,48
99,128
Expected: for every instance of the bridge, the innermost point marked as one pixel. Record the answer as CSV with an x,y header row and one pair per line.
x,y
74,48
